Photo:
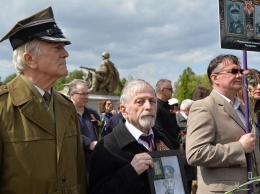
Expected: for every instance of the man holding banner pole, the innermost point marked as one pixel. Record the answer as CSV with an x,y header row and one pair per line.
x,y
217,141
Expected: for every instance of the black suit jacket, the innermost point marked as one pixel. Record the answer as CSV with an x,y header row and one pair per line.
x,y
110,168
166,123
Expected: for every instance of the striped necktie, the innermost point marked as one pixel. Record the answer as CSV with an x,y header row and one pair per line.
x,y
149,140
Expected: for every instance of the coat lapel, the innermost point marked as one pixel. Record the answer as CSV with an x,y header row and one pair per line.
x,y
31,106
228,108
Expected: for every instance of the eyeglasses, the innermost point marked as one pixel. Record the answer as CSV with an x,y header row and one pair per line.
x,y
232,71
169,89
109,103
83,94
253,82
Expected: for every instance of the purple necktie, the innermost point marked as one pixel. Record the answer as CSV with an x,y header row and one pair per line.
x,y
149,140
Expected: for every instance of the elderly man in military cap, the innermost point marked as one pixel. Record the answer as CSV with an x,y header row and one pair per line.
x,y
169,182
40,143
235,26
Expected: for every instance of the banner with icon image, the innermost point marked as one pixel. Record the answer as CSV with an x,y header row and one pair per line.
x,y
240,24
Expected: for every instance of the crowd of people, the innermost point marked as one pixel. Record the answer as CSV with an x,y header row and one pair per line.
x,y
50,143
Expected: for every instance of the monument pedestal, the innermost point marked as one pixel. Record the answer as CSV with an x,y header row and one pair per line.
x,y
93,100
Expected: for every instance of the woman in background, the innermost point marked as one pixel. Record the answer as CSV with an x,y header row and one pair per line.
x,y
254,93
105,108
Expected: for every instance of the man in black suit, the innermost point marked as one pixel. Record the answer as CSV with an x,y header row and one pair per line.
x,y
165,119
120,160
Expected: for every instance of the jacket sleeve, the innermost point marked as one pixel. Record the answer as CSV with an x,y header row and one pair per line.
x,y
202,149
107,175
85,141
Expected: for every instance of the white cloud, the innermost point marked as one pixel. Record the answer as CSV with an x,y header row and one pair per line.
x,y
148,39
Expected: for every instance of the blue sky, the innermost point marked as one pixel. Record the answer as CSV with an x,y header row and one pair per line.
x,y
146,39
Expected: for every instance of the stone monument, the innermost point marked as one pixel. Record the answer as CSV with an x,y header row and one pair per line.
x,y
102,82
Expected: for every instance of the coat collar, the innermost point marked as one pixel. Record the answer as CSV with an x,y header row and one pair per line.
x,y
124,137
32,107
228,108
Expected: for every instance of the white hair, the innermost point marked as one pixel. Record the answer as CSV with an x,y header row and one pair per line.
x,y
185,104
32,46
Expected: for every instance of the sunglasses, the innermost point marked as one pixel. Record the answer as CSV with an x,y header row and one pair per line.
x,y
169,89
253,82
232,71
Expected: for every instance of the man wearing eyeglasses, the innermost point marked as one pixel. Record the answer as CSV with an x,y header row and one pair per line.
x,y
88,118
216,135
166,121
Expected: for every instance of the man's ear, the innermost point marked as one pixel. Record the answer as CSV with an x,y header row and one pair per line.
x,y
123,110
29,60
214,78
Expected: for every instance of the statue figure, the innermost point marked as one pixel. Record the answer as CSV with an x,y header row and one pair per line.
x,y
103,80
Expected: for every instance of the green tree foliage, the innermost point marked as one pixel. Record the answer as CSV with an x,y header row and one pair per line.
x,y
77,74
9,78
120,87
188,82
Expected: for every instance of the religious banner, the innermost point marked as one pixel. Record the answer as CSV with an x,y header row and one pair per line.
x,y
240,24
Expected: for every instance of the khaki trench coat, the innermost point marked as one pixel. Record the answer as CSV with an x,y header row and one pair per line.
x,y
213,145
36,155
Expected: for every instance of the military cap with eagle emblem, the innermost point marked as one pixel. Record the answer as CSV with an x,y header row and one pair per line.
x,y
41,26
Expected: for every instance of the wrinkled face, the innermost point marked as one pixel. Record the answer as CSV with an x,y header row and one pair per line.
x,y
52,60
141,109
80,96
169,185
254,86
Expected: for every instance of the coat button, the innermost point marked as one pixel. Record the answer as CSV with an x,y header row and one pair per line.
x,y
63,178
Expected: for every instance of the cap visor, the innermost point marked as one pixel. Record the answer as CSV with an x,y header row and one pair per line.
x,y
55,38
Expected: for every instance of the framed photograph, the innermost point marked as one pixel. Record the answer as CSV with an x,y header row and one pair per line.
x,y
257,21
235,18
168,175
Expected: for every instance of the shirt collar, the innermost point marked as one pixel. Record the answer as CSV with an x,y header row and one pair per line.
x,y
236,103
184,115
136,132
41,91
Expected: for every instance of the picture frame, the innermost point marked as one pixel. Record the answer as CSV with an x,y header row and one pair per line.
x,y
235,28
168,175
257,22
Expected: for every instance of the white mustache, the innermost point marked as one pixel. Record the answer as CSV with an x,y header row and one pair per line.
x,y
147,113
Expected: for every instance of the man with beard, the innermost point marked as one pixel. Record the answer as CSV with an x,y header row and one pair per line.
x,y
120,160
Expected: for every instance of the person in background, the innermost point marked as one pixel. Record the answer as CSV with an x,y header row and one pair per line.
x,y
40,142
174,102
182,118
166,121
200,93
217,142
105,108
88,118
254,94
114,120
120,159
